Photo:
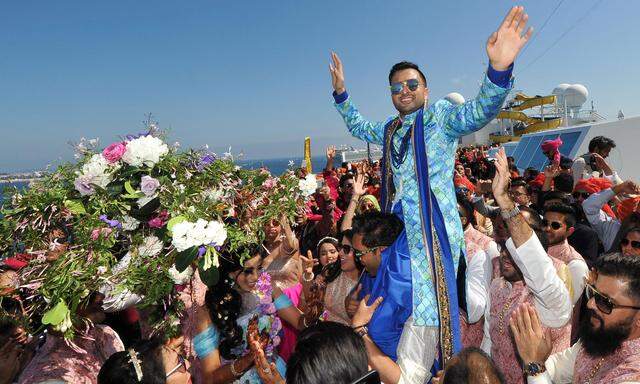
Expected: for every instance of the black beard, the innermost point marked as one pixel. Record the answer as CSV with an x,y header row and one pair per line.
x,y
598,341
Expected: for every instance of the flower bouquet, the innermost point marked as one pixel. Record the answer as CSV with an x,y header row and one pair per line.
x,y
138,217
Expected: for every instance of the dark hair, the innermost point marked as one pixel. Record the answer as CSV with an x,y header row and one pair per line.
x,y
468,207
601,142
377,228
118,368
625,267
532,173
566,210
224,302
563,183
564,197
463,368
344,178
406,65
536,221
348,233
630,222
327,352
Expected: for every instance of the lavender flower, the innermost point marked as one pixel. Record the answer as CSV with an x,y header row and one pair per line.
x,y
112,223
148,185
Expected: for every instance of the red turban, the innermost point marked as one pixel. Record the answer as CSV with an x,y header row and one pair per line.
x,y
464,182
595,185
627,206
538,182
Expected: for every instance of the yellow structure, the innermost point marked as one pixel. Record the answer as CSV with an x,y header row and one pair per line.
x,y
531,124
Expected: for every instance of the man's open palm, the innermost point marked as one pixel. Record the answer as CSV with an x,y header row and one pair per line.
x,y
504,44
337,73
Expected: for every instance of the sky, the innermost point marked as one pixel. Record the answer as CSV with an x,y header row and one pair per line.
x,y
253,75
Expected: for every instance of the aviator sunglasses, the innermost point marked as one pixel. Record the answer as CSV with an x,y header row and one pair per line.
x,y
553,224
634,244
605,304
412,84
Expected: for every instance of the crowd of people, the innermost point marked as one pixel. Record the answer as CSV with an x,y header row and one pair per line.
x,y
434,264
551,292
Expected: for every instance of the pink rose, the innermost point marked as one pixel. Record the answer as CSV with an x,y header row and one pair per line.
x,y
114,152
159,221
269,183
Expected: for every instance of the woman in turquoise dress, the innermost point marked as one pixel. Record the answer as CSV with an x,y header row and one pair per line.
x,y
244,292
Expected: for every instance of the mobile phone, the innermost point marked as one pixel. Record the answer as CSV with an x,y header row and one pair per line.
x,y
372,377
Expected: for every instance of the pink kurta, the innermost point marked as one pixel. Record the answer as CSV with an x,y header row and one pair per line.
x,y
622,366
474,241
78,363
505,299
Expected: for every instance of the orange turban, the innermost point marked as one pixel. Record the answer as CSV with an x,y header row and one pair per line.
x,y
627,206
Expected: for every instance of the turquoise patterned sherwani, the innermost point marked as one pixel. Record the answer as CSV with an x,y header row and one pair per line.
x,y
444,124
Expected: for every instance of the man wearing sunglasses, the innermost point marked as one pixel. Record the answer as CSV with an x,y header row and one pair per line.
x,y
608,350
419,147
606,226
559,222
527,275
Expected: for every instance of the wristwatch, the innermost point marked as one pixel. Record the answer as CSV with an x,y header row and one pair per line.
x,y
510,214
362,331
534,369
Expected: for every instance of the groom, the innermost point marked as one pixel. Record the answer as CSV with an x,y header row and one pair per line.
x,y
419,146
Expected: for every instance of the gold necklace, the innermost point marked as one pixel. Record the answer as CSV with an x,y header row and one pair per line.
x,y
594,370
505,307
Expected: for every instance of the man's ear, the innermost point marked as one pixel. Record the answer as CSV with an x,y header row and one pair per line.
x,y
571,230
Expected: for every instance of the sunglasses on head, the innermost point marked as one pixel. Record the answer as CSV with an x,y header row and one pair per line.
x,y
412,84
605,304
634,244
346,248
578,195
555,225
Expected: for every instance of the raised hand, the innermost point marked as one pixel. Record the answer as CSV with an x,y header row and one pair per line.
x,y
628,187
308,263
331,152
365,312
358,184
534,344
502,179
504,44
337,74
551,171
268,372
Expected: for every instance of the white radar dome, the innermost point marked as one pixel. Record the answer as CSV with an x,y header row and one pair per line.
x,y
576,95
559,91
454,98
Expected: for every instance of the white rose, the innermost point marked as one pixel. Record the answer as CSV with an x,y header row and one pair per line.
x,y
146,150
151,246
308,185
216,233
180,236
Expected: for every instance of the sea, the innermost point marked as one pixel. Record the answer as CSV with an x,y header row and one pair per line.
x,y
277,166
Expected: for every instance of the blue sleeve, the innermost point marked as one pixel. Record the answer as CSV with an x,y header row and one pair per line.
x,y
282,302
339,99
499,78
206,342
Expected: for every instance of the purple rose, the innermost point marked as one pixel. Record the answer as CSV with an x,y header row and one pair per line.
x,y
83,185
114,152
148,185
